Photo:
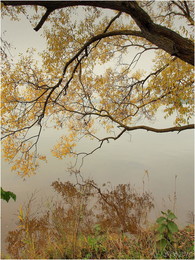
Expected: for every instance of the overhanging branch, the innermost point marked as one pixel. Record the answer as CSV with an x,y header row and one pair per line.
x,y
163,37
43,19
160,130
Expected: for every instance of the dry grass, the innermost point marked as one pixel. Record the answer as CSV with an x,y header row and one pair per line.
x,y
75,229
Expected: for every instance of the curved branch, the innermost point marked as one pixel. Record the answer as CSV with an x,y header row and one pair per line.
x,y
163,37
163,130
97,38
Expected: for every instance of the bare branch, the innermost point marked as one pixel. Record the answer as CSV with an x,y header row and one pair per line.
x,y
162,130
43,19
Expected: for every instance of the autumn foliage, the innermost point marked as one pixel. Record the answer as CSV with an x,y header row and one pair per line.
x,y
90,74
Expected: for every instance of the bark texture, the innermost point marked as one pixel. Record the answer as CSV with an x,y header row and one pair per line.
x,y
166,39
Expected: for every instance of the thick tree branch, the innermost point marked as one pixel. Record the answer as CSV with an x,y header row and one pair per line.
x,y
166,39
43,19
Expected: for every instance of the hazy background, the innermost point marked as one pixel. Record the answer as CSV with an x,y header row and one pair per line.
x,y
164,156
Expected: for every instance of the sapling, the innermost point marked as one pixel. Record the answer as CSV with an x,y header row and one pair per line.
x,y
165,230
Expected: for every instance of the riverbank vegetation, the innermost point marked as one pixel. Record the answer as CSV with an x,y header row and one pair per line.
x,y
89,222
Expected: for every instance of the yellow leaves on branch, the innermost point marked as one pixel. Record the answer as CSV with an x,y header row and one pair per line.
x,y
138,74
175,85
65,146
12,13
9,149
27,166
101,87
22,160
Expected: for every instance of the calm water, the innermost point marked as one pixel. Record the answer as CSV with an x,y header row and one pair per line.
x,y
123,161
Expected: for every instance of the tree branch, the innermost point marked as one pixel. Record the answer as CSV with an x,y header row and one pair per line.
x,y
43,19
99,37
163,37
163,130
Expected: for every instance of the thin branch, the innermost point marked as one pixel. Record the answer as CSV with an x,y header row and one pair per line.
x,y
98,37
185,11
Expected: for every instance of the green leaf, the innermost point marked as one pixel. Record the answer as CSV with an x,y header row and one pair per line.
x,y
171,215
170,236
7,195
161,244
162,228
172,226
159,237
160,220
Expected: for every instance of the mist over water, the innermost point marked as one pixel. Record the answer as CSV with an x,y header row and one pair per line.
x,y
159,163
